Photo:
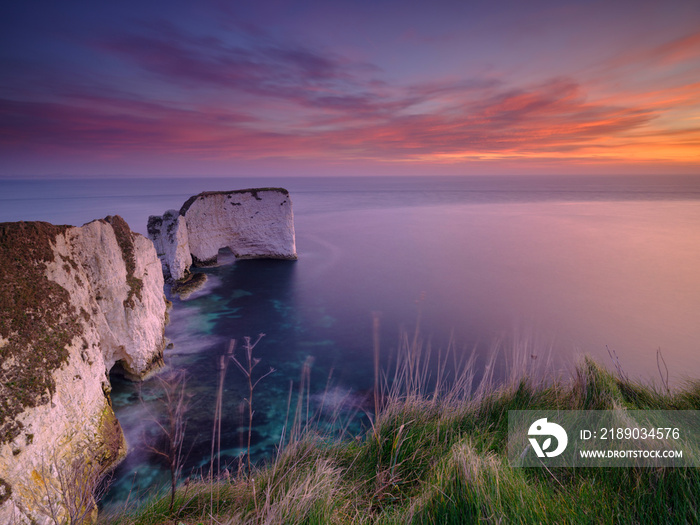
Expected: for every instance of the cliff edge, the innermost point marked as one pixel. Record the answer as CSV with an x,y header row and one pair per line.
x,y
252,223
74,301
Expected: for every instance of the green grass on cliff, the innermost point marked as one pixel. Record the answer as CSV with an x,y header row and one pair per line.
x,y
440,456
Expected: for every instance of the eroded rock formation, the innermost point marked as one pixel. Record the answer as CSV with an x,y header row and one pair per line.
x,y
73,302
253,223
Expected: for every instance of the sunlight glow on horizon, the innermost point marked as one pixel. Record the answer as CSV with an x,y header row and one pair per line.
x,y
127,89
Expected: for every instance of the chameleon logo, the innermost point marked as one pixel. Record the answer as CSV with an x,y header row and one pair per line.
x,y
542,427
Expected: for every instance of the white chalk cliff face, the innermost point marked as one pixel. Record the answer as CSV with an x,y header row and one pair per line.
x,y
75,301
254,223
172,241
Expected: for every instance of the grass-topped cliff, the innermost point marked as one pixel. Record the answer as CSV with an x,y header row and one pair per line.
x,y
439,455
73,302
37,321
230,194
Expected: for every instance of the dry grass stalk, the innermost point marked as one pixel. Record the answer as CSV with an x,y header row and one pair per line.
x,y
247,371
173,425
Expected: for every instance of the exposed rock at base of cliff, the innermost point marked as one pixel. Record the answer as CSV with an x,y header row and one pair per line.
x,y
73,302
184,288
253,223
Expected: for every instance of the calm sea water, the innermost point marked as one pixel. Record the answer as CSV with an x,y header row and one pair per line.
x,y
571,264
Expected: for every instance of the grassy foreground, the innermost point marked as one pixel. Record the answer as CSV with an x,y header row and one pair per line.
x,y
441,457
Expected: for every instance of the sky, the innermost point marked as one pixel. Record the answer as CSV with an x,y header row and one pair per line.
x,y
376,87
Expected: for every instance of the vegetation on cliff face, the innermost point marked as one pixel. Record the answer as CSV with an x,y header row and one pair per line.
x,y
65,486
253,191
5,491
37,321
190,284
125,239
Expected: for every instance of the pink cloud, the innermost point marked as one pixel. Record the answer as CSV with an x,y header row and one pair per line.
x,y
202,97
552,116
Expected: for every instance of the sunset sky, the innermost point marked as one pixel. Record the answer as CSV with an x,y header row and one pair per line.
x,y
213,88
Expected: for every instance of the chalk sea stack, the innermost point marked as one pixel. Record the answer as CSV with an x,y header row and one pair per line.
x,y
74,302
252,223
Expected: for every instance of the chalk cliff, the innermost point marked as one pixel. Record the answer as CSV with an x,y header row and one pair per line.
x,y
74,301
253,223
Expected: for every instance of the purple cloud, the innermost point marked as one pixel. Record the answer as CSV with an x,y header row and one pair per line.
x,y
284,71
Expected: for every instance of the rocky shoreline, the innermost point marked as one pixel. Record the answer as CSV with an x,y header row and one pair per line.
x,y
79,302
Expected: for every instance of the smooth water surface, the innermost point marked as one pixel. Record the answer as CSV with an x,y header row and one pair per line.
x,y
571,265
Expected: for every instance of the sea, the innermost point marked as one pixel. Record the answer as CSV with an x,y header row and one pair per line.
x,y
554,267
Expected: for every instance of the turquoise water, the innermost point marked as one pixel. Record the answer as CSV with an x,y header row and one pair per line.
x,y
568,264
